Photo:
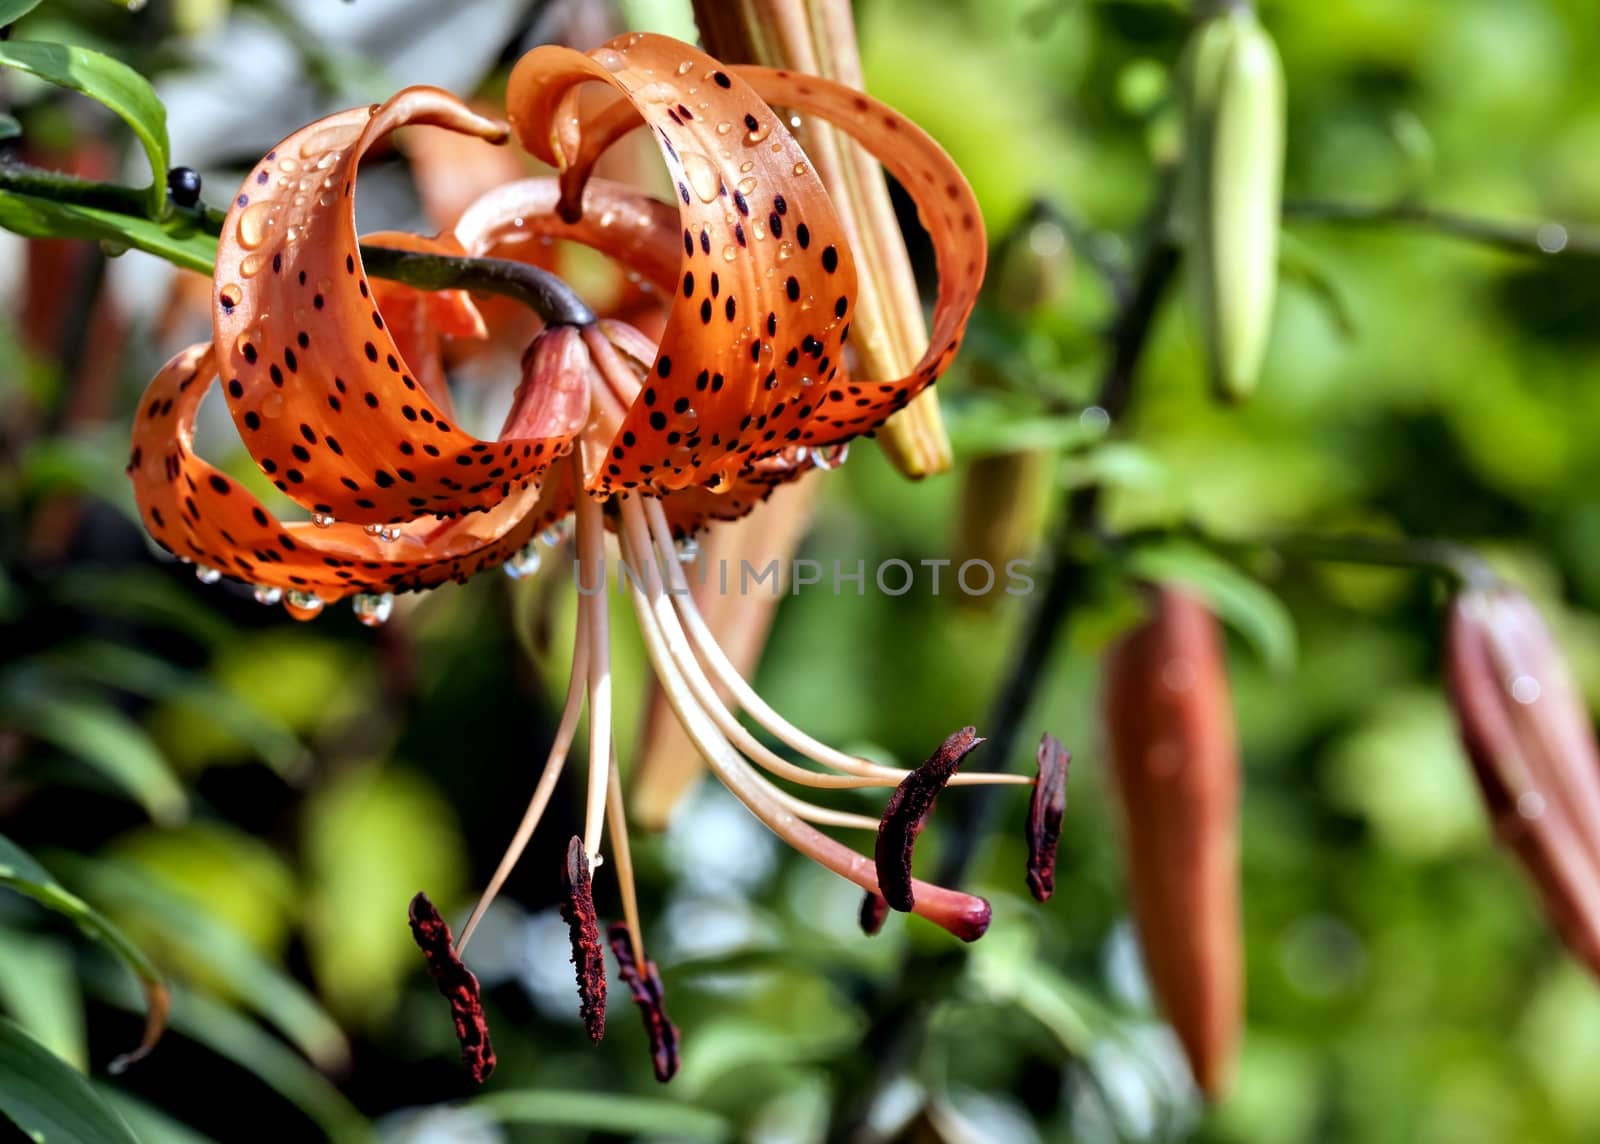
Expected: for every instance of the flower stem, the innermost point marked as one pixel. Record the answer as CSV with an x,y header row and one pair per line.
x,y
539,290
1548,239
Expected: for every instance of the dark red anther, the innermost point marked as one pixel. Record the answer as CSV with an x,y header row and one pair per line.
x,y
873,912
1049,803
578,909
649,995
908,808
457,985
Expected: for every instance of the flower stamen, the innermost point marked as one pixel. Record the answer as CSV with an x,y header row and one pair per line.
x,y
908,809
456,984
1045,810
578,910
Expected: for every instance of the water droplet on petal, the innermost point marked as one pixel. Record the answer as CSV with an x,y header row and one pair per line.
x,y
558,533
206,575
729,253
524,563
686,67
800,168
830,457
610,59
688,551
763,129
254,223
322,519
373,610
302,605
703,176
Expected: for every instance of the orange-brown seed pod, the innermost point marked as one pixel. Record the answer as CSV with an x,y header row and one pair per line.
x,y
1532,747
1175,769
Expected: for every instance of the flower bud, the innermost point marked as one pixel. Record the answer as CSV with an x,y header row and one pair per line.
x,y
1532,747
1175,770
1232,189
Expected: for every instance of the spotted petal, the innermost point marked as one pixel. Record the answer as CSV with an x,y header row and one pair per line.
x,y
325,399
199,513
946,207
765,277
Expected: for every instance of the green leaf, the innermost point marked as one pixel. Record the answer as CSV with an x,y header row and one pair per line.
x,y
235,1037
111,83
142,596
20,872
978,427
35,217
9,128
196,933
1239,601
40,990
13,10
372,836
149,1124
48,1099
611,1112
142,674
107,740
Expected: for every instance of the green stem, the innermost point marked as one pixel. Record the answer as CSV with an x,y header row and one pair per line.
x,y
1549,239
1455,562
543,292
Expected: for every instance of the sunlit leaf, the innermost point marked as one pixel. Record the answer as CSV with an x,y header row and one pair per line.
x,y
48,1099
610,1112
255,724
42,218
109,82
373,836
193,932
1239,601
20,872
107,740
40,990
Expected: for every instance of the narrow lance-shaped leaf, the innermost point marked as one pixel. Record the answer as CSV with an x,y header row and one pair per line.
x,y
109,82
50,1100
21,873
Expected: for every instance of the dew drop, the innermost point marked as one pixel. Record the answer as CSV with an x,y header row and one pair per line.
x,y
302,605
266,594
686,67
373,610
255,221
610,59
724,127
558,533
688,551
747,166
703,176
322,519
729,253
206,575
830,457
523,564
747,185
800,168
763,129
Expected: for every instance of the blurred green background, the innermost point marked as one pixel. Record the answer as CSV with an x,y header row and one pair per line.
x,y
254,800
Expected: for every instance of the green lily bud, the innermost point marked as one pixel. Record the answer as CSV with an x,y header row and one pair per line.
x,y
1232,192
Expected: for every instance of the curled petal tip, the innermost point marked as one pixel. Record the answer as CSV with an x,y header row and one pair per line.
x,y
1048,804
908,808
456,984
578,910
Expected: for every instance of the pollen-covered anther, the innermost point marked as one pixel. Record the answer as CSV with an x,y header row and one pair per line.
x,y
874,911
578,910
457,985
1048,804
907,810
645,985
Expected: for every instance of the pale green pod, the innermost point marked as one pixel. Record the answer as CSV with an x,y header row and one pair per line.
x,y
1233,192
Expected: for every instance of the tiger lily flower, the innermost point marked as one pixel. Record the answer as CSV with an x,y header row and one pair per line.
x,y
336,388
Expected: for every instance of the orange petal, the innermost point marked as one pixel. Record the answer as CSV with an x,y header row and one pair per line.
x,y
305,354
416,319
946,207
760,317
199,513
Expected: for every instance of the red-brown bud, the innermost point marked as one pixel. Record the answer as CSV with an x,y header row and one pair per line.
x,y
1532,747
1175,766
